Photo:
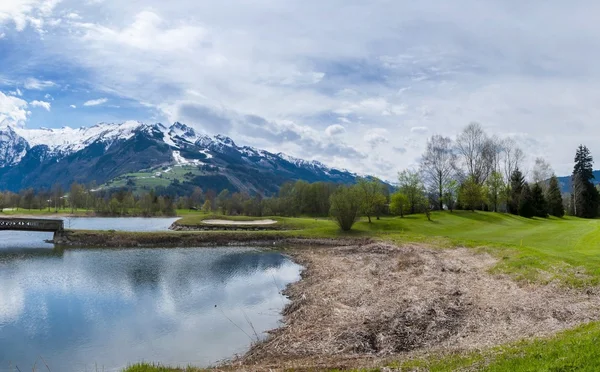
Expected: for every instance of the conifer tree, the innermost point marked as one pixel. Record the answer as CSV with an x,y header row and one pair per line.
x,y
554,198
540,206
517,181
526,207
585,195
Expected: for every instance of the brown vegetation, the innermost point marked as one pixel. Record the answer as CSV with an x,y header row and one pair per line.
x,y
362,304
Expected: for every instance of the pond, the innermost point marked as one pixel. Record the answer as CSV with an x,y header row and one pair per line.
x,y
82,308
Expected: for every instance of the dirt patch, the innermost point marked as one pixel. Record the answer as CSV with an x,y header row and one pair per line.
x,y
359,304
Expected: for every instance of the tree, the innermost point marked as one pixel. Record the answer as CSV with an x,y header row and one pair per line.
x,y
76,196
477,152
222,201
438,164
196,197
540,207
526,206
57,195
512,159
471,194
554,198
370,194
517,181
207,207
542,171
411,186
345,205
451,194
399,204
585,195
495,187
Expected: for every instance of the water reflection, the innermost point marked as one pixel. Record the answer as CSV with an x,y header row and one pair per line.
x,y
114,307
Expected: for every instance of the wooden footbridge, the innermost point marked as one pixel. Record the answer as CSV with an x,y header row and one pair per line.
x,y
32,224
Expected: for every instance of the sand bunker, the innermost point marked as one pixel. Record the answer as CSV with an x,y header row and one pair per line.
x,y
239,223
381,300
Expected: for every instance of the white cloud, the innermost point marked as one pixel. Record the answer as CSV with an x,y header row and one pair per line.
x,y
13,110
73,106
49,97
35,84
2,35
27,12
96,102
419,130
334,130
42,104
73,15
377,137
147,32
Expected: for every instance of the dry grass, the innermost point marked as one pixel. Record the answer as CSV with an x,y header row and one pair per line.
x,y
361,305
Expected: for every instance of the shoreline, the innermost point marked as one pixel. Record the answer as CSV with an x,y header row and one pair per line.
x,y
169,239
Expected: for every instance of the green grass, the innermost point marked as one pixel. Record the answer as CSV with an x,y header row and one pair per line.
x,y
573,350
154,177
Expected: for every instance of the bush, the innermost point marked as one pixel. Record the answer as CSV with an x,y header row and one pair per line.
x,y
345,205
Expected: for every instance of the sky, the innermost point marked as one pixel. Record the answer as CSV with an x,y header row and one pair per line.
x,y
358,85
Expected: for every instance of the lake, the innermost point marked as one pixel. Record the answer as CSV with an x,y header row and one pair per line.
x,y
110,307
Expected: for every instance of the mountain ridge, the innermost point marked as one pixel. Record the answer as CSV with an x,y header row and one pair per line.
x,y
138,152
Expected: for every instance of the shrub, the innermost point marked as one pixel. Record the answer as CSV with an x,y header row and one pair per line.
x,y
345,205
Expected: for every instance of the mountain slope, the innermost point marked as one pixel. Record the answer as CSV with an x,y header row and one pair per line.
x,y
565,182
139,155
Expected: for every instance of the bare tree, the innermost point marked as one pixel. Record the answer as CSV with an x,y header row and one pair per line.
x,y
512,158
542,171
438,164
476,151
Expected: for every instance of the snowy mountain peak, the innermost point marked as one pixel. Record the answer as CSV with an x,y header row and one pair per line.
x,y
225,140
12,147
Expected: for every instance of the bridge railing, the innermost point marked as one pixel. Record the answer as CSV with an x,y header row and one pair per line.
x,y
31,224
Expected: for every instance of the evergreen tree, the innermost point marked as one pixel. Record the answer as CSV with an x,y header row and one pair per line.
x,y
585,195
540,205
526,207
517,181
554,198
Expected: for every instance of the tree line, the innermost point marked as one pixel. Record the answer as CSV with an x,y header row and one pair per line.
x,y
478,172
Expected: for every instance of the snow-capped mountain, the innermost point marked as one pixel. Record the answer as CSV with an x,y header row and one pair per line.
x,y
148,155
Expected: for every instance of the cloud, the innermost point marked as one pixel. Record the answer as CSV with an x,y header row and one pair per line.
x,y
49,97
377,137
334,130
96,102
13,110
147,32
419,130
35,84
400,150
210,119
42,104
27,12
73,106
2,35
